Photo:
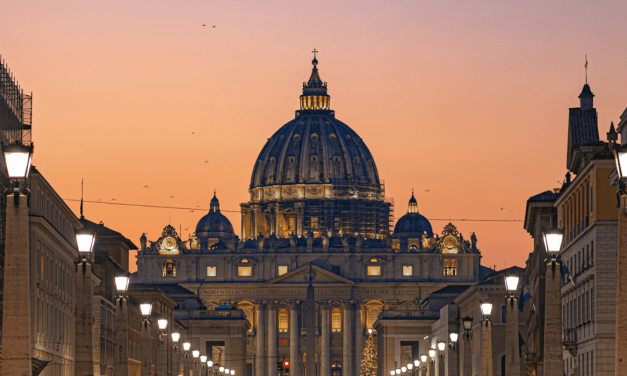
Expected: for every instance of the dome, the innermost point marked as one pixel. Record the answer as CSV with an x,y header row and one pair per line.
x,y
214,224
315,147
413,223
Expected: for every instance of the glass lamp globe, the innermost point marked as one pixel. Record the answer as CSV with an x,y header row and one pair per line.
x,y
221,369
226,371
416,363
121,283
553,240
403,369
454,337
163,324
392,372
146,309
232,372
203,358
186,346
195,353
432,353
410,366
85,239
423,358
441,346
398,371
209,363
18,158
467,321
620,156
511,283
176,337
486,308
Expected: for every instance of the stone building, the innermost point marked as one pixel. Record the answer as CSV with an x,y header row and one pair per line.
x,y
53,276
316,202
585,208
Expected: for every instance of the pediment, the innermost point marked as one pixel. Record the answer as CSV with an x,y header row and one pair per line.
x,y
301,276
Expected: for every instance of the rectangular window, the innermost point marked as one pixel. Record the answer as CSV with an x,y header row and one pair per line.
x,y
282,269
244,271
450,266
290,223
374,270
314,222
169,268
211,271
407,270
336,321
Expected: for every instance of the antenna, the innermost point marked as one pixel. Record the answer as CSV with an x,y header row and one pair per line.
x,y
586,66
82,217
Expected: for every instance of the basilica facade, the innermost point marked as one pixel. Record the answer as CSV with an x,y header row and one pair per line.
x,y
317,210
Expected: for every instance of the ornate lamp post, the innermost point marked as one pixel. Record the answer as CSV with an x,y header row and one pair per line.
x,y
553,350
410,368
209,366
203,363
121,326
16,359
486,340
176,355
186,365
392,372
512,359
146,367
453,343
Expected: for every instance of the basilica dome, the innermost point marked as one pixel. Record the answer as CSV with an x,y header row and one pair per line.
x,y
214,224
315,147
413,224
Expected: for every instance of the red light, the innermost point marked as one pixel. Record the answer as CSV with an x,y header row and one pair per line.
x,y
286,363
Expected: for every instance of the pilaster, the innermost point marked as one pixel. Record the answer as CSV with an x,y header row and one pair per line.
x,y
121,337
553,346
486,348
512,358
260,359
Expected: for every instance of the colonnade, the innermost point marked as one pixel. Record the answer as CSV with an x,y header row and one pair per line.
x,y
267,333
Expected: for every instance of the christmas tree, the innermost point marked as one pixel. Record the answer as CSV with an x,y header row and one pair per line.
x,y
369,361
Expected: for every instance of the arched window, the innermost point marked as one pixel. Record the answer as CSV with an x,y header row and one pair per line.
x,y
283,321
373,315
336,321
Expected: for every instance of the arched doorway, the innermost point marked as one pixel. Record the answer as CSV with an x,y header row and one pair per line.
x,y
336,369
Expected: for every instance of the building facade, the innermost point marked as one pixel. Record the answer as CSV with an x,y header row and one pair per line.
x,y
317,208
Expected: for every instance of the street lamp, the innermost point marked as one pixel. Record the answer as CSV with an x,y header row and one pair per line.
x,y
121,284
17,355
441,347
163,324
232,372
553,241
453,343
403,369
121,323
511,283
486,339
221,369
398,370
486,310
410,368
226,371
146,310
203,362
467,324
553,363
432,355
423,358
416,363
17,158
392,372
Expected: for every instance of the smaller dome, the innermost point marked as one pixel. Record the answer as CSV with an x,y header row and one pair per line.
x,y
413,224
214,224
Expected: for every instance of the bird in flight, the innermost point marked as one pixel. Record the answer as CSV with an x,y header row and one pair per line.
x,y
428,190
197,206
171,196
112,199
188,227
501,209
206,161
193,132
145,186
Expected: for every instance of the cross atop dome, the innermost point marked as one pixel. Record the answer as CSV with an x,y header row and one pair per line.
x,y
413,204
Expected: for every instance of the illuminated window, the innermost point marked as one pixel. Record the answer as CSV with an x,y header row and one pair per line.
x,y
290,223
373,260
283,321
413,247
211,271
169,268
244,271
336,321
314,222
244,261
374,270
373,315
407,270
450,267
282,269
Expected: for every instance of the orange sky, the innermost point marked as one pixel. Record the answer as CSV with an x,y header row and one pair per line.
x,y
466,99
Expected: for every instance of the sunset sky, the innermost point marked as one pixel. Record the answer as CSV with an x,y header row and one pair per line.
x,y
464,101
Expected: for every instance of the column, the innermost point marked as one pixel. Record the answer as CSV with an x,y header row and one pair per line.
x,y
465,364
621,296
162,355
299,218
512,357
553,353
85,364
187,366
452,363
347,359
260,366
359,335
16,328
255,221
325,345
486,349
146,350
121,337
272,345
294,345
